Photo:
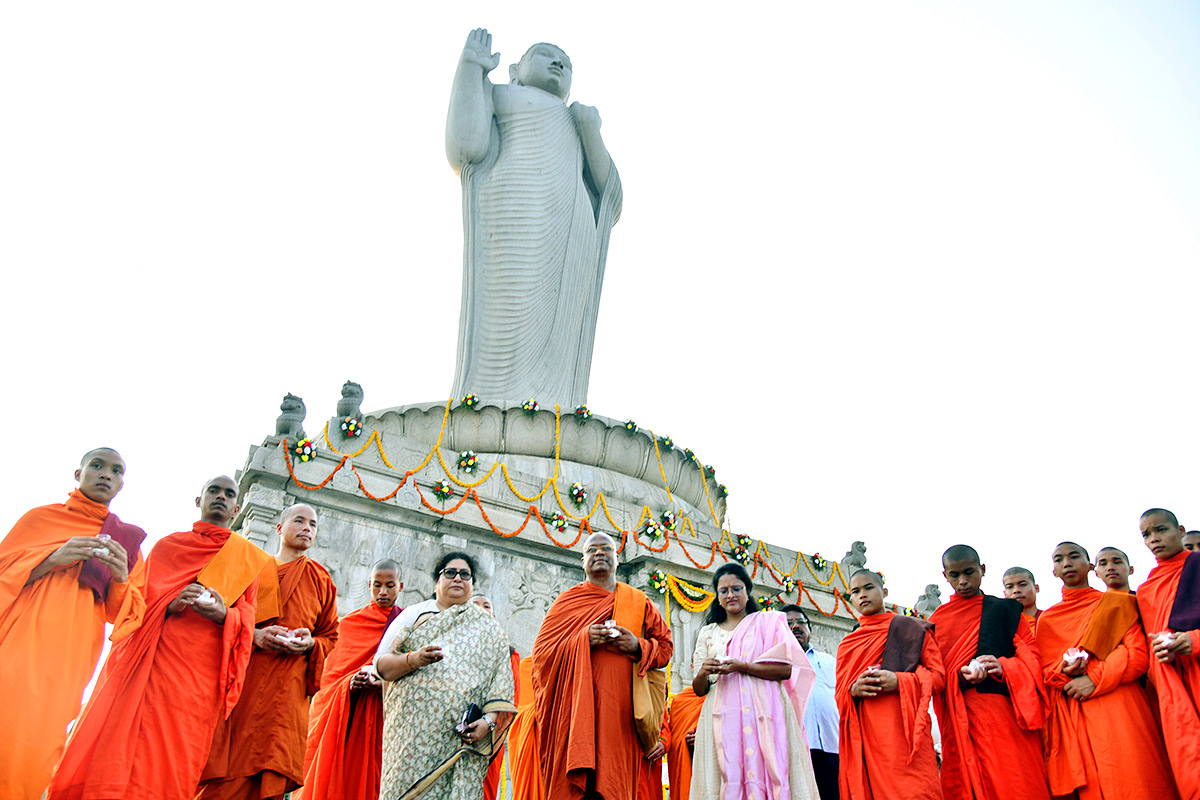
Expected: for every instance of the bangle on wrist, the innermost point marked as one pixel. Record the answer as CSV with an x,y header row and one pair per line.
x,y
407,663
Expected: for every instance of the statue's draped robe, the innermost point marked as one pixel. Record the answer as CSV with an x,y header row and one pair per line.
x,y
259,750
535,239
51,635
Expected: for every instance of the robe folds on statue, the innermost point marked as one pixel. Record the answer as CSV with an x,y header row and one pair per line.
x,y
345,731
1107,746
1177,683
886,749
750,739
535,240
259,750
146,731
583,695
991,747
51,635
524,763
682,716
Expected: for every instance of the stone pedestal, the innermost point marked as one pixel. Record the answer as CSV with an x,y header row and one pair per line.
x,y
374,497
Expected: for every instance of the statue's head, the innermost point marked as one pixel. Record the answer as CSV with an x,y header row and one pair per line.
x,y
291,404
546,67
932,590
351,390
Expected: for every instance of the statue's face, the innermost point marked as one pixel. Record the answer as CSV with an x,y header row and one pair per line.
x,y
547,68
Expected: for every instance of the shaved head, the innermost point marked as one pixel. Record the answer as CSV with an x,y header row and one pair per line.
x,y
960,552
88,455
1167,515
287,512
870,572
1076,545
1124,555
1011,571
386,565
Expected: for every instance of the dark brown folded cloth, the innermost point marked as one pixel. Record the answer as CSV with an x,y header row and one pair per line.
x,y
998,621
95,575
905,640
1185,611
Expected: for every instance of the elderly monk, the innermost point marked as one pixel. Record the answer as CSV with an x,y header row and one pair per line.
x,y
584,660
888,670
259,751
1101,740
1169,601
345,731
146,731
491,781
65,570
540,197
992,710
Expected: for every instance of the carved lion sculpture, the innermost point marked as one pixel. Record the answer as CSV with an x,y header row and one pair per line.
x,y
290,422
351,403
929,601
855,559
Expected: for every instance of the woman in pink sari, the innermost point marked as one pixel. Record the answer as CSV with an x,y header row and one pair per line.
x,y
755,680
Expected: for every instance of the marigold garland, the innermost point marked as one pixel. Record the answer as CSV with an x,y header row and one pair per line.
x,y
692,598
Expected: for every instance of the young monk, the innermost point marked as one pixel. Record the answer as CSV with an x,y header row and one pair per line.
x,y
258,752
59,584
1169,601
1191,540
491,781
146,731
1101,740
1019,585
345,731
1113,567
683,714
888,670
991,710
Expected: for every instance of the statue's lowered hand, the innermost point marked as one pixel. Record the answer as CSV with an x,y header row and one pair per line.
x,y
478,50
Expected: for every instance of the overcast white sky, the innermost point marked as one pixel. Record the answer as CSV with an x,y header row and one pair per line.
x,y
913,273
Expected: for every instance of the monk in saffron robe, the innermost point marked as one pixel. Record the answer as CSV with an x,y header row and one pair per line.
x,y
682,717
1019,585
584,660
1169,601
1101,740
146,731
345,730
1113,567
60,581
258,752
650,783
991,711
491,781
888,670
524,762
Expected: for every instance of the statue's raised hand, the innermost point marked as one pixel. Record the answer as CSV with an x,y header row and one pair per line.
x,y
478,50
587,118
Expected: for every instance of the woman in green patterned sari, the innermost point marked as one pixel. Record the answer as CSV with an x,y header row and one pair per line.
x,y
438,658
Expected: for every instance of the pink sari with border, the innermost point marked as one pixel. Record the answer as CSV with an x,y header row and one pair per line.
x,y
748,713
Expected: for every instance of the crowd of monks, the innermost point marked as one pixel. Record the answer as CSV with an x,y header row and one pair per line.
x,y
231,676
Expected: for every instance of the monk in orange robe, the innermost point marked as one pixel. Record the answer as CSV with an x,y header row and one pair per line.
x,y
1020,585
682,718
60,581
146,731
1169,601
345,730
491,781
584,660
258,752
650,782
992,708
888,669
1101,740
524,762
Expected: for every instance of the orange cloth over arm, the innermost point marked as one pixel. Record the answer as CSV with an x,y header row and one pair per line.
x,y
145,732
1177,683
989,749
885,746
682,718
266,731
1107,746
51,635
524,763
571,680
345,731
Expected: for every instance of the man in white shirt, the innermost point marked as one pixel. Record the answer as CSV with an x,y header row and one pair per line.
x,y
821,715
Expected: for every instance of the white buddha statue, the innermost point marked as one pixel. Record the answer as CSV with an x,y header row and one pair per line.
x,y
540,196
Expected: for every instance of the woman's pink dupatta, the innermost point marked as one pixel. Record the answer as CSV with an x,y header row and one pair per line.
x,y
748,713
